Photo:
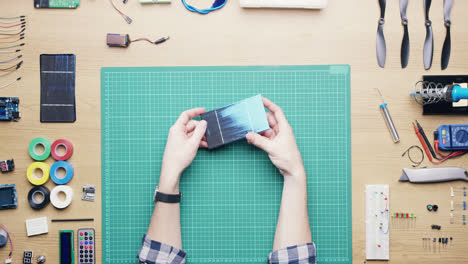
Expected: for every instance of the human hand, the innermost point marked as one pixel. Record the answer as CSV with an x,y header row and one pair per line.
x,y
183,141
279,142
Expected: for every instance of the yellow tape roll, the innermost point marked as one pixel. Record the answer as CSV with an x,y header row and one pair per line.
x,y
44,167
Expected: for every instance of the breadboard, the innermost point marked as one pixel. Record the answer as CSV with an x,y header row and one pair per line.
x,y
231,195
377,222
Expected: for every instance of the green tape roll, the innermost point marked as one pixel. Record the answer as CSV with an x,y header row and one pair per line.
x,y
33,148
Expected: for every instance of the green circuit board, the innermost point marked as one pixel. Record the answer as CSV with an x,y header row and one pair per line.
x,y
56,3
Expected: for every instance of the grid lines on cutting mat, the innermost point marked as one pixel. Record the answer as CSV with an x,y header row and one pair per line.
x,y
231,195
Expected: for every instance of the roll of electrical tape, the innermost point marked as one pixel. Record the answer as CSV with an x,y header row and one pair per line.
x,y
33,148
68,172
35,204
56,201
44,167
61,143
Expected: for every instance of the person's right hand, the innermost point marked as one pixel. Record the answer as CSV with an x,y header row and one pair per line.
x,y
279,142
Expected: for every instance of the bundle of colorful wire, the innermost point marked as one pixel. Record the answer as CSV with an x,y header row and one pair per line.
x,y
11,35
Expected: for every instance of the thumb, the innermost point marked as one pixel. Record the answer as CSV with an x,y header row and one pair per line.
x,y
199,131
259,141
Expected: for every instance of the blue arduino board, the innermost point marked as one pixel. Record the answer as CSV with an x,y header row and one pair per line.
x,y
453,137
9,109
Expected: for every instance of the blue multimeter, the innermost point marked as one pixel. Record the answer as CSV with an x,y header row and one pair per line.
x,y
453,137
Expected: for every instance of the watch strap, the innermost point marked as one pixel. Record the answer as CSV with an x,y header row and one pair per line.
x,y
167,198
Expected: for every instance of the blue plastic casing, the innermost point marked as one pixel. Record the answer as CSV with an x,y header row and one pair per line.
x,y
453,137
459,93
8,197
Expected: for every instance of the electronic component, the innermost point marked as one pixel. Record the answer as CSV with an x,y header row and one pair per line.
x,y
28,257
8,197
232,122
434,157
124,16
67,252
57,87
37,226
123,40
87,246
377,222
118,40
41,259
7,165
418,162
12,82
436,227
453,137
4,237
9,109
431,207
56,3
89,192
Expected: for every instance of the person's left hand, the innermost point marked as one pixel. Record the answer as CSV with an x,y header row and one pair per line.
x,y
185,137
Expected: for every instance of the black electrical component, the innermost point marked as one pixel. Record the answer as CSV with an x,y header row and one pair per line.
x,y
437,227
7,165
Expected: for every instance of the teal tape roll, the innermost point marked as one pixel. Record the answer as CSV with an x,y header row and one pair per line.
x,y
33,148
68,172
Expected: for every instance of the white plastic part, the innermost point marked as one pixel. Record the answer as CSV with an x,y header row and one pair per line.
x,y
451,218
37,226
451,191
8,260
307,4
377,222
451,205
155,1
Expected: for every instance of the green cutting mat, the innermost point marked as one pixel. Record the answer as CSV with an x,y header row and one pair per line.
x,y
232,194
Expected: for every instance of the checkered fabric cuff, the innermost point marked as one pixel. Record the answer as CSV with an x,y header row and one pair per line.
x,y
153,252
299,254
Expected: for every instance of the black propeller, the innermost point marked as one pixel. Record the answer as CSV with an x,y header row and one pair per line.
x,y
429,42
405,44
447,43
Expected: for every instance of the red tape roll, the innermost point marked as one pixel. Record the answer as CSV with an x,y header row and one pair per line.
x,y
68,149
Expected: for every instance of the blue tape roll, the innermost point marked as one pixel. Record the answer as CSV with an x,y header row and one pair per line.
x,y
68,175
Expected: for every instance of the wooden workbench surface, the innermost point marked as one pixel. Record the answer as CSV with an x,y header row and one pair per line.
x,y
344,33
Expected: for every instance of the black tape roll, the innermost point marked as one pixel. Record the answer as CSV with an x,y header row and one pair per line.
x,y
45,193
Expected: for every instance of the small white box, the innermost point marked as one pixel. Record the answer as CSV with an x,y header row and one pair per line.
x,y
307,4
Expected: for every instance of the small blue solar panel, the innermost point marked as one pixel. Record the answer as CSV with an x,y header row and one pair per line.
x,y
232,122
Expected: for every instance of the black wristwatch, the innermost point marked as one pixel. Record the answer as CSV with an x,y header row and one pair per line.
x,y
166,198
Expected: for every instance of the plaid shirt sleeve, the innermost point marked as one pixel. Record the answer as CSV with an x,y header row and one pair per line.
x,y
299,254
153,252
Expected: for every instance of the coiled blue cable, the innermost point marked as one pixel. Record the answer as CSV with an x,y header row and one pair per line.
x,y
218,4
